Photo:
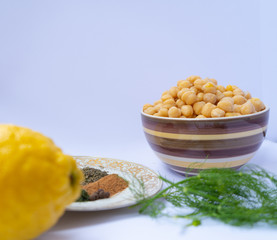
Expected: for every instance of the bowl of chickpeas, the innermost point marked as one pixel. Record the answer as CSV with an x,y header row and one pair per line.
x,y
199,124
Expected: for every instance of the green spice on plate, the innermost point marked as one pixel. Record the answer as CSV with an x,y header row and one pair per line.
x,y
92,175
84,197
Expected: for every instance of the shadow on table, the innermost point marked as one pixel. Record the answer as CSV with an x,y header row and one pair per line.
x,y
80,219
53,235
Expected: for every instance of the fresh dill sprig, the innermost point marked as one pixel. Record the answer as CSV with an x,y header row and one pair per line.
x,y
137,188
239,198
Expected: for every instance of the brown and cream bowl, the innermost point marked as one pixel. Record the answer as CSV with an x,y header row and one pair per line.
x,y
188,145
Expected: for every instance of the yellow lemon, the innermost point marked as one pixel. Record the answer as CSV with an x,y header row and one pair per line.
x,y
37,181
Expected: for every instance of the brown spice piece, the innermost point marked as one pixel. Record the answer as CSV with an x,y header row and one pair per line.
x,y
100,194
111,183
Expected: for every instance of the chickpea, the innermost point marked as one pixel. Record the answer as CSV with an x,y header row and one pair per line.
x,y
194,89
187,110
145,106
200,96
174,112
229,88
217,112
189,97
150,111
258,104
181,92
192,78
247,108
199,83
228,99
173,91
209,97
165,92
179,103
238,99
158,102
226,104
163,112
166,97
219,95
238,91
200,116
228,94
169,103
220,88
182,116
156,114
232,114
213,81
247,95
184,95
237,108
184,84
197,107
207,109
158,106
209,88
179,82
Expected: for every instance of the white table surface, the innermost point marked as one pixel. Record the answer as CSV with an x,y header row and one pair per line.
x,y
126,223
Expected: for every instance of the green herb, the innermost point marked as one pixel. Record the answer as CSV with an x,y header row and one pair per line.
x,y
239,198
92,175
84,197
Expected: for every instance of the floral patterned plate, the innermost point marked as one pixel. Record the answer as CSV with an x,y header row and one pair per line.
x,y
142,182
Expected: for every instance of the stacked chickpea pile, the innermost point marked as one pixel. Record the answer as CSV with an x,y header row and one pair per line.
x,y
203,98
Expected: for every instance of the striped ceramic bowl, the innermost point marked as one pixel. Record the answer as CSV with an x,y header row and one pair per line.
x,y
188,145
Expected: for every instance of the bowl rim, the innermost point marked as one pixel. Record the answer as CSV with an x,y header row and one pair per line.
x,y
207,119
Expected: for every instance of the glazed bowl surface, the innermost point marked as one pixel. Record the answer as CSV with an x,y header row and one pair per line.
x,y
188,145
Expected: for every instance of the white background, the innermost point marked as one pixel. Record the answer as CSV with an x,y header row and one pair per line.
x,y
80,71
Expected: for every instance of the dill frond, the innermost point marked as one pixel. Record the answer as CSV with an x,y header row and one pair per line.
x,y
239,198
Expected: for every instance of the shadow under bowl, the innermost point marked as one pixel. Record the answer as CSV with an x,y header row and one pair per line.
x,y
189,145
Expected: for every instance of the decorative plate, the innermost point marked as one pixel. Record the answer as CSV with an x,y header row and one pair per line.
x,y
142,182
